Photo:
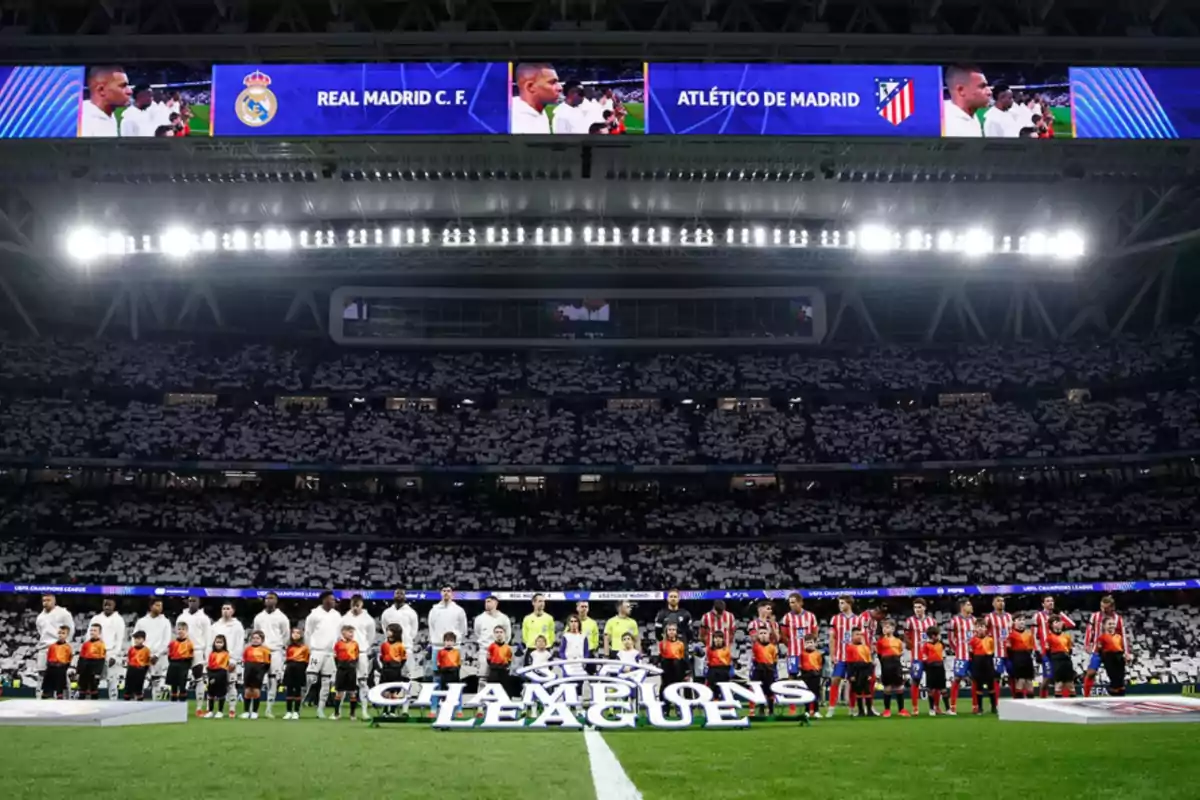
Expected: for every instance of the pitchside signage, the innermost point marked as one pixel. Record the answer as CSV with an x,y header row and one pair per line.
x,y
557,694
747,595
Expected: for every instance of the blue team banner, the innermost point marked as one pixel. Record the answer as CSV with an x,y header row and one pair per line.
x,y
434,595
794,100
360,99
1135,102
40,102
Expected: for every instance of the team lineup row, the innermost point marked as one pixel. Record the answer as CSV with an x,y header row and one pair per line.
x,y
340,651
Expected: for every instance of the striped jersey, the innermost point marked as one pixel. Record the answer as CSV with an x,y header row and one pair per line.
x,y
797,628
961,630
758,623
841,628
1096,627
1041,627
998,625
914,632
712,622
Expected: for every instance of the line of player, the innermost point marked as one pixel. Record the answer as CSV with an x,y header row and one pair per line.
x,y
334,650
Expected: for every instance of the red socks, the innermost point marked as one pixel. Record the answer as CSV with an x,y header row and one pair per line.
x,y
1045,692
1066,692
974,696
954,696
935,700
916,695
833,694
1088,683
997,695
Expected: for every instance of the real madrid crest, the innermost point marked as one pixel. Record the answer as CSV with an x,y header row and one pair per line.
x,y
256,105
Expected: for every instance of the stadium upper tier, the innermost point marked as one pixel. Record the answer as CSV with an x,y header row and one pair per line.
x,y
234,367
640,435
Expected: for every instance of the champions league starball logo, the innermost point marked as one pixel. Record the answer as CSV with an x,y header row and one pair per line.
x,y
256,105
600,693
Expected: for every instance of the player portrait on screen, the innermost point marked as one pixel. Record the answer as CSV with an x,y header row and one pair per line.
x,y
145,101
567,99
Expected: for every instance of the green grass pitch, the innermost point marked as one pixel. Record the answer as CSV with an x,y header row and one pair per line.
x,y
963,757
635,119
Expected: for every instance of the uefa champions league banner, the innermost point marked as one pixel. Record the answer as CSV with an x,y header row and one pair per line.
x,y
794,100
637,595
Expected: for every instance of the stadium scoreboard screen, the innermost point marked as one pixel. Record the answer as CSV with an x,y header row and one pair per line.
x,y
585,98
385,316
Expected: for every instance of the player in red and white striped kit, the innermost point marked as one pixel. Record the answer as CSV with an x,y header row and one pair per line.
x,y
914,636
1041,629
962,628
1095,627
798,626
716,621
841,630
999,622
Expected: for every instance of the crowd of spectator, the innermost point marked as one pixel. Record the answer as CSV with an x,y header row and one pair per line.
x,y
259,514
190,365
537,434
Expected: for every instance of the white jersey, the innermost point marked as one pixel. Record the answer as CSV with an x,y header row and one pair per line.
x,y
406,618
94,122
575,645
199,629
539,657
323,628
235,637
112,632
275,628
48,623
446,618
485,628
364,629
158,633
629,656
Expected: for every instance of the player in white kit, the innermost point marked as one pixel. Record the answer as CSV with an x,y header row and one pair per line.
x,y
402,614
364,634
158,632
112,633
322,629
52,617
276,631
231,628
200,632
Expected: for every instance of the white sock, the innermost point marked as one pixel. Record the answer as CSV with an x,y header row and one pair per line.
x,y
324,693
200,691
272,690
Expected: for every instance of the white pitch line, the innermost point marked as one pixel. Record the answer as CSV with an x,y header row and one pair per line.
x,y
608,776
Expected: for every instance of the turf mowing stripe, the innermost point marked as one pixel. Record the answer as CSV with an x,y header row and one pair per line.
x,y
608,777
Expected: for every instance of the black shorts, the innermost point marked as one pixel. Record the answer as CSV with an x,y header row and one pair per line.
x,y
764,674
135,681
983,669
497,674
54,680
1061,668
218,683
1114,668
254,674
391,672
813,681
178,673
90,670
935,676
891,673
448,676
674,671
717,675
1020,665
295,677
860,674
346,677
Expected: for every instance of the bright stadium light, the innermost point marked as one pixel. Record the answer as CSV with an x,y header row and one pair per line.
x,y
760,236
978,242
84,244
875,239
177,242
116,245
239,240
208,241
916,240
1035,244
1070,245
945,241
